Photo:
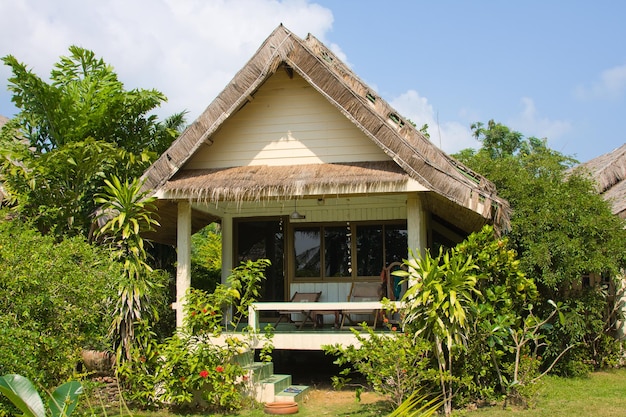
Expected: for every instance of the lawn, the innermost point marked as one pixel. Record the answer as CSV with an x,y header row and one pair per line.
x,y
602,394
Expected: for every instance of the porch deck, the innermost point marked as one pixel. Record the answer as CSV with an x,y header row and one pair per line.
x,y
291,336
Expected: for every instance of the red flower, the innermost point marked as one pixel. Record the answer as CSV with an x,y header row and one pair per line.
x,y
204,310
193,313
204,374
219,368
182,379
394,328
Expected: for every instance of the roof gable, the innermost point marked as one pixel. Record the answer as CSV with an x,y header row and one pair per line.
x,y
452,182
286,122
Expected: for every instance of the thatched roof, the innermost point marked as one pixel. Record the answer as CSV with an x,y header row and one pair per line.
x,y
261,181
609,173
414,155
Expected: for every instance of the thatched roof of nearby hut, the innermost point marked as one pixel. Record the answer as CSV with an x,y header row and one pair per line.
x,y
609,174
451,183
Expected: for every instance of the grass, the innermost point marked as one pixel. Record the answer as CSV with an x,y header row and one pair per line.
x,y
602,394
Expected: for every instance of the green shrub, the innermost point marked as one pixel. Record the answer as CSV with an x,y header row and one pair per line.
x,y
395,364
54,300
189,371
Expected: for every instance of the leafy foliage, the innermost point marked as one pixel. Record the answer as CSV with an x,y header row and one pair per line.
x,y
206,257
128,212
395,365
54,300
188,371
72,133
438,307
61,402
560,228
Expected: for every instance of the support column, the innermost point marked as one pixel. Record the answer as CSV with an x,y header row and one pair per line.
x,y
227,246
183,251
416,224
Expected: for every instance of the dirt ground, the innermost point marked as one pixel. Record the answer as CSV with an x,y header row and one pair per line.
x,y
329,397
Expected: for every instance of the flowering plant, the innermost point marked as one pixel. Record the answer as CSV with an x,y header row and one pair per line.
x,y
190,371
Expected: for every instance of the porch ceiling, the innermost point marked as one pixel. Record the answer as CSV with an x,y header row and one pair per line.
x,y
167,212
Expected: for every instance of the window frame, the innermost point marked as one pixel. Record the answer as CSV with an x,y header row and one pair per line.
x,y
353,256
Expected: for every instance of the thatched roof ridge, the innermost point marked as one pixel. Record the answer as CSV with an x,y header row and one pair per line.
x,y
397,137
609,173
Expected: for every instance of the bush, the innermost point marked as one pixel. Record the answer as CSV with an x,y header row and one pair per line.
x,y
395,364
188,371
54,299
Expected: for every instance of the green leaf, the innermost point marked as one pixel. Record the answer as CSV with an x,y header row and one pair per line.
x,y
23,395
64,399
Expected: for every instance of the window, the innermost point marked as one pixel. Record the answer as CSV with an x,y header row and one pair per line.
x,y
328,251
376,243
309,247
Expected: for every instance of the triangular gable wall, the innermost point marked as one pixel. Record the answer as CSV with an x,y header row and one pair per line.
x,y
287,122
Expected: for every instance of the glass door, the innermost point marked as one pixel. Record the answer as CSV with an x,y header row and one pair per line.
x,y
261,238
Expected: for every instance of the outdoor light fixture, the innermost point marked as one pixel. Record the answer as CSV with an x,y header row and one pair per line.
x,y
295,215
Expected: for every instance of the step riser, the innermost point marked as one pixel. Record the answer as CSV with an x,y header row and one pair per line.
x,y
292,393
265,386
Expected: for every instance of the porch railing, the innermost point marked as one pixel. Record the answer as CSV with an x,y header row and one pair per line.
x,y
254,308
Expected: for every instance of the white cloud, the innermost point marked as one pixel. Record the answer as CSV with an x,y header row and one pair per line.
x,y
610,85
187,49
529,123
450,136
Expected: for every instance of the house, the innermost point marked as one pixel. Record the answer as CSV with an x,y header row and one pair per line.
x,y
302,163
609,174
608,171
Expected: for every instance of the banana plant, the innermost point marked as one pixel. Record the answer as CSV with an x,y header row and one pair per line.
x,y
23,394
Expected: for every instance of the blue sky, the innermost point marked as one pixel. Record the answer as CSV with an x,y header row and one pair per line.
x,y
553,69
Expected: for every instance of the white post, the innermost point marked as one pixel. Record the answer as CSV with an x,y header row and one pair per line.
x,y
416,224
183,250
227,246
253,318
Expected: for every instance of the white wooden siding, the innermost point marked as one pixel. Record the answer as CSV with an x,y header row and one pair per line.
x,y
286,123
327,209
331,291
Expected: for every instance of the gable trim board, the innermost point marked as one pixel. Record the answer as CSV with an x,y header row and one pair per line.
x,y
451,185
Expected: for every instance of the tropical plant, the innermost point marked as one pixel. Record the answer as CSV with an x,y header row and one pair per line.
x,y
23,394
189,371
438,307
394,364
127,212
561,229
73,132
417,405
206,257
55,299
